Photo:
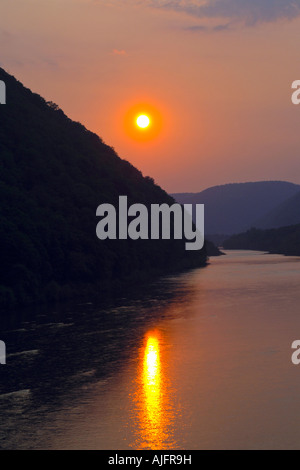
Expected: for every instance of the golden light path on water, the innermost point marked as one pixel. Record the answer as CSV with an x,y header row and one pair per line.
x,y
152,381
154,402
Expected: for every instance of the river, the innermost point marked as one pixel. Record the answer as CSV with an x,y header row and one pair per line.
x,y
200,360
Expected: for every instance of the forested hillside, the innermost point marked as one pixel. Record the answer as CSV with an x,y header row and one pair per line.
x,y
284,240
54,174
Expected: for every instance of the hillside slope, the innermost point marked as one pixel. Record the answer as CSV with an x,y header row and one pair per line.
x,y
284,240
54,174
233,208
287,213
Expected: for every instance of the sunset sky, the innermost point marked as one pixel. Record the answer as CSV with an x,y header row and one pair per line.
x,y
216,74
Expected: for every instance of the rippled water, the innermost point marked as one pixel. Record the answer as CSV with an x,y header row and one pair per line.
x,y
201,360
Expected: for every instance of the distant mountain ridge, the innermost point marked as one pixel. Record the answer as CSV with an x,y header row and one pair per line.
x,y
287,213
234,208
283,240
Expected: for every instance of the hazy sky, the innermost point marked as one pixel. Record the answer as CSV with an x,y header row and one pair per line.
x,y
219,73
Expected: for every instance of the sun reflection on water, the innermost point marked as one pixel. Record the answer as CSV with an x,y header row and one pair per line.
x,y
153,398
152,382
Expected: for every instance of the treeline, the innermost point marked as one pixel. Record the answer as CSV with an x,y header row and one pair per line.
x,y
285,240
54,174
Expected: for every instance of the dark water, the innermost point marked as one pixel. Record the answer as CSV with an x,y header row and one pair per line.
x,y
201,360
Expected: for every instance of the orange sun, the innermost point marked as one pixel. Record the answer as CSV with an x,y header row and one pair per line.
x,y
142,122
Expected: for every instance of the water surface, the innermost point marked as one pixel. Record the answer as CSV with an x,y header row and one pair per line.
x,y
201,360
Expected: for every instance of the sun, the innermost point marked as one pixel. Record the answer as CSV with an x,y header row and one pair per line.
x,y
143,121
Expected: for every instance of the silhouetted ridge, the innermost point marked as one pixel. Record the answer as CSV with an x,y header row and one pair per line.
x,y
233,208
287,213
54,174
284,240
